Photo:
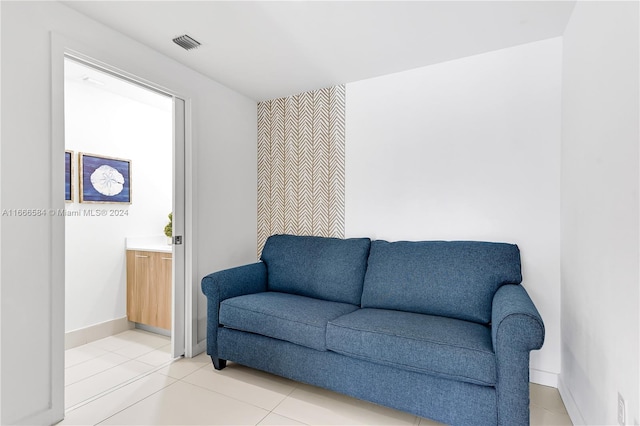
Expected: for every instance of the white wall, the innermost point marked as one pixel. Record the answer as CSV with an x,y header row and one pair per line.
x,y
223,141
0,210
101,122
467,149
600,212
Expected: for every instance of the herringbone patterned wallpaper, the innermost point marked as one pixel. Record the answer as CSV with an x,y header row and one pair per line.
x,y
301,165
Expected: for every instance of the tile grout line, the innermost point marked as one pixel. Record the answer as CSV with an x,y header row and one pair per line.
x,y
113,366
240,400
88,360
119,386
127,359
111,351
550,410
137,402
295,387
554,413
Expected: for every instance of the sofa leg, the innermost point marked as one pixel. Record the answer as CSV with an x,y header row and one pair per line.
x,y
218,363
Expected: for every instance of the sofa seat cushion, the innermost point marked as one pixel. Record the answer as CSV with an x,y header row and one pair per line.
x,y
296,319
446,347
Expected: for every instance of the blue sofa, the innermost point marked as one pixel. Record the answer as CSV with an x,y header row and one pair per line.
x,y
439,329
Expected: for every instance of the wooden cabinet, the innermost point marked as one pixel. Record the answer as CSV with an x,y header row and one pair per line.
x,y
149,281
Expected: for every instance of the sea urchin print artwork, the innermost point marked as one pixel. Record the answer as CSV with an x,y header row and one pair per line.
x,y
104,179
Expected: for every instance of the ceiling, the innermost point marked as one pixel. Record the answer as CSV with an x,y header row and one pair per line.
x,y
94,79
268,50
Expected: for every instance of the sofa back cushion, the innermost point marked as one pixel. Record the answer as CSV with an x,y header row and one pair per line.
x,y
324,268
453,279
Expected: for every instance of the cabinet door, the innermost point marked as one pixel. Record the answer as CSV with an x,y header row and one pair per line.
x,y
149,288
134,302
147,296
139,306
163,285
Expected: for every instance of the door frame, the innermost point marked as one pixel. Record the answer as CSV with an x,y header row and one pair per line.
x,y
61,47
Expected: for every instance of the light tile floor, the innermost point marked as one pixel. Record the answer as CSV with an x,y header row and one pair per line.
x,y
130,379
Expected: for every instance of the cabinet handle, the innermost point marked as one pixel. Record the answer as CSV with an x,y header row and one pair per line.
x,y
166,258
139,255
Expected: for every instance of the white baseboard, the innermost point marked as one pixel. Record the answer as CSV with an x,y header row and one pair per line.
x,y
570,404
544,378
94,332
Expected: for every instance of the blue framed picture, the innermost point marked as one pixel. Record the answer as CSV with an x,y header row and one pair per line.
x,y
68,176
104,179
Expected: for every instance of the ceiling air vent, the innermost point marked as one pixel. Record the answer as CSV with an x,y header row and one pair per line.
x,y
186,42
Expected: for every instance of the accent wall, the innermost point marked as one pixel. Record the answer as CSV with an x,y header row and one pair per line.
x,y
301,165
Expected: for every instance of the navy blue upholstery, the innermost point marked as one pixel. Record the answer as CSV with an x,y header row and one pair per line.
x,y
447,401
324,268
454,279
439,329
446,347
296,319
517,329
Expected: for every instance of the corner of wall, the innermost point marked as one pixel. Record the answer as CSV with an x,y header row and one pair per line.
x,y
570,403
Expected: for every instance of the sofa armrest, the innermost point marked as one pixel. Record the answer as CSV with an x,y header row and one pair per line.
x,y
516,329
246,279
222,285
515,321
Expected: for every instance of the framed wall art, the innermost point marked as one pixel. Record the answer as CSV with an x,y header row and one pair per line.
x,y
68,176
104,179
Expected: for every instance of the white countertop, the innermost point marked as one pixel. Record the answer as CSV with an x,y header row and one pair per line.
x,y
150,243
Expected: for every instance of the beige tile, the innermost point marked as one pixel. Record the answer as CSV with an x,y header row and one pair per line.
x,y
313,406
122,340
109,344
546,397
135,350
101,382
184,366
203,357
186,404
542,417
255,387
94,366
157,357
81,354
147,338
112,403
276,420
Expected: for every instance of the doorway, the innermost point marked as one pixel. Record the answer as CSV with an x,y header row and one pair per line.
x,y
124,279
